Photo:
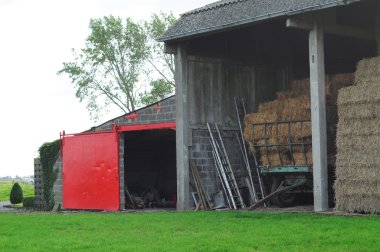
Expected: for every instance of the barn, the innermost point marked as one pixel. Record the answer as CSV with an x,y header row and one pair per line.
x,y
131,153
232,50
254,49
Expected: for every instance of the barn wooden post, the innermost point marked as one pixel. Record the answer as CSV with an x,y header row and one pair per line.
x,y
182,129
318,116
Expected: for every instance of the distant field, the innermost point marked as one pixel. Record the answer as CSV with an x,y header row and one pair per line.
x,y
189,231
6,186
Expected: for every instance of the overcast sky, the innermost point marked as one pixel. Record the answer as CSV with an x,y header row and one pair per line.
x,y
35,38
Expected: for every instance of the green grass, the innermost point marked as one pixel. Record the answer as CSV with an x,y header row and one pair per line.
x,y
190,231
6,186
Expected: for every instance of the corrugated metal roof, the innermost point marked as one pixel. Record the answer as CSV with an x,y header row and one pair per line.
x,y
226,14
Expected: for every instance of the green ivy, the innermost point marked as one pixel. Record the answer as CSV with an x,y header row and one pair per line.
x,y
48,155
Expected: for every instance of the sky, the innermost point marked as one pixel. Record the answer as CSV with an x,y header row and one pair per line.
x,y
36,37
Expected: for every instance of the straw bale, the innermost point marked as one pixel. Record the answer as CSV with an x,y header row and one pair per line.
x,y
299,158
272,107
358,195
279,134
260,118
357,159
295,109
358,203
273,157
332,84
337,81
368,71
359,144
348,171
359,111
358,186
364,127
359,95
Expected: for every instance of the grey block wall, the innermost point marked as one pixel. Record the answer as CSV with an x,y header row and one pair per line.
x,y
38,200
164,112
57,188
121,171
201,153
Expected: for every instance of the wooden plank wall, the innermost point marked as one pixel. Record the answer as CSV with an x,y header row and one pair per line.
x,y
213,84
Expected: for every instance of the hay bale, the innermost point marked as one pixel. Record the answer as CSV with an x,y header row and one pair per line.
x,y
359,95
368,72
273,157
357,185
357,203
333,83
359,144
301,158
259,118
354,127
368,110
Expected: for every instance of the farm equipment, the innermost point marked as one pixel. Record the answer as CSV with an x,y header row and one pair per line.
x,y
283,155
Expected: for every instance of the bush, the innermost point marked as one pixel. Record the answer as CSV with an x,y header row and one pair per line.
x,y
16,195
28,202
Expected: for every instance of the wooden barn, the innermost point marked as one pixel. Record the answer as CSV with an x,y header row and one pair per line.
x,y
285,61
253,49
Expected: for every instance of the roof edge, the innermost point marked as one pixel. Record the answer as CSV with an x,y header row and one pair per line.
x,y
255,19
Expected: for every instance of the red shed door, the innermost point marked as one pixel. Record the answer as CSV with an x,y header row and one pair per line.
x,y
90,171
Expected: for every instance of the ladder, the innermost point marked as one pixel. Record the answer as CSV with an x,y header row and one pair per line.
x,y
241,112
224,169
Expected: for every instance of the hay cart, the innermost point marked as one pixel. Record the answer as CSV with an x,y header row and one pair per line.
x,y
283,156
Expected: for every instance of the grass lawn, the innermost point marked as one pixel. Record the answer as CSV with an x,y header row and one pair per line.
x,y
189,231
6,186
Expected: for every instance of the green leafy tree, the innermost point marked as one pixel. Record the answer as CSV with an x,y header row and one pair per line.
x,y
107,70
16,196
159,63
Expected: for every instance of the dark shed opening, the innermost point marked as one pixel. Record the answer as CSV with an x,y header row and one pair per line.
x,y
150,167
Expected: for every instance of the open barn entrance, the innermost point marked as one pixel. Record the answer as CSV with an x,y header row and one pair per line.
x,y
150,168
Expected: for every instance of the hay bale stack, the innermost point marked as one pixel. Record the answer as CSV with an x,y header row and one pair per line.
x,y
294,105
357,185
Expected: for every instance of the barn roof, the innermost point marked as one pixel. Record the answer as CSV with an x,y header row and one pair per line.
x,y
226,14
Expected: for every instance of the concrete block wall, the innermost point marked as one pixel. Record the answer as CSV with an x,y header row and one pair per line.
x,y
164,112
201,152
121,171
38,200
57,188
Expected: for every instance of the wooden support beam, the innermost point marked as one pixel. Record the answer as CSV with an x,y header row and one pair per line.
x,y
318,116
332,28
182,129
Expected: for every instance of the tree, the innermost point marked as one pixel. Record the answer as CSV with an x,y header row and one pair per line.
x,y
16,196
107,70
159,62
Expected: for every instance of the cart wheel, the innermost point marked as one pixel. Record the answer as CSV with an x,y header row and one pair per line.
x,y
283,199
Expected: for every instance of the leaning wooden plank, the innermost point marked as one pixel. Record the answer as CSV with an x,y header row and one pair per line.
x,y
280,190
199,186
207,204
129,198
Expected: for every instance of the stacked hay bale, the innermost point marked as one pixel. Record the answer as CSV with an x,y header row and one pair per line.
x,y
357,185
293,105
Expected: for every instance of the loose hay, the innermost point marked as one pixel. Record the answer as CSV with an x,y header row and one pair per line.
x,y
357,185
